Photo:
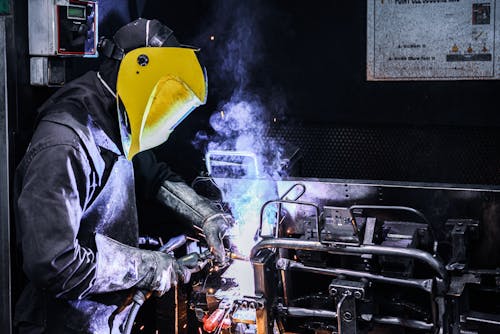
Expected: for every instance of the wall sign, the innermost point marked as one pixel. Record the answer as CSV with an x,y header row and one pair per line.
x,y
433,40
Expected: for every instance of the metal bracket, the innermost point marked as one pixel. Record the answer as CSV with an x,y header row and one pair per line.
x,y
461,228
345,293
340,227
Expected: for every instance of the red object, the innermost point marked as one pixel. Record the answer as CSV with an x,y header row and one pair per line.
x,y
226,323
214,320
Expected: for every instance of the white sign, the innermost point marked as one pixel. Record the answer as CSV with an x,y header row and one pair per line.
x,y
432,40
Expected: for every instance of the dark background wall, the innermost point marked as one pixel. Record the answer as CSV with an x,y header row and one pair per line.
x,y
306,60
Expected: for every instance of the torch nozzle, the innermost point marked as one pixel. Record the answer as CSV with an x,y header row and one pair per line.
x,y
236,256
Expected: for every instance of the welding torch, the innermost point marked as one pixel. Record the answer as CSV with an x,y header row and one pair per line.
x,y
193,260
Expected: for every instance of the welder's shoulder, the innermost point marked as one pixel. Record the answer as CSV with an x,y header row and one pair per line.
x,y
50,133
55,137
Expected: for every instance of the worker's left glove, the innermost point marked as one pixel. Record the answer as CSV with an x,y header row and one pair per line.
x,y
200,212
164,272
120,267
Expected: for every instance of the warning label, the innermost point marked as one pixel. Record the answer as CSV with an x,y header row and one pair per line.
x,y
432,40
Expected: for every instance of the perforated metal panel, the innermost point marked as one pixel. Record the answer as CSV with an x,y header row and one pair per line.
x,y
430,154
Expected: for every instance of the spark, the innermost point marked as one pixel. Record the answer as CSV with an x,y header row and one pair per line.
x,y
212,38
222,114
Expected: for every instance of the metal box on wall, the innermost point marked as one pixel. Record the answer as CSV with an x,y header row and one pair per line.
x,y
62,27
59,28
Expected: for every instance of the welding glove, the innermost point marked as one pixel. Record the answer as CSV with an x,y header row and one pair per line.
x,y
200,211
216,228
120,267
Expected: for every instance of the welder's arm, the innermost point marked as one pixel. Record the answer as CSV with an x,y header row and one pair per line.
x,y
199,211
49,209
121,266
50,206
156,179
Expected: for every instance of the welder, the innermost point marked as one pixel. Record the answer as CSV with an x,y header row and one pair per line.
x,y
74,189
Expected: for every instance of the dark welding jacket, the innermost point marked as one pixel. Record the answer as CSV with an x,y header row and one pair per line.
x,y
74,183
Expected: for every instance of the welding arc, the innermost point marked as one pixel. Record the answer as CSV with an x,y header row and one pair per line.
x,y
236,256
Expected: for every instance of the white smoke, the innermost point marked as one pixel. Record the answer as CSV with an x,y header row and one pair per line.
x,y
242,121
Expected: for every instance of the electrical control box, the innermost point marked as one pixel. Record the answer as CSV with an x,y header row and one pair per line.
x,y
59,29
62,27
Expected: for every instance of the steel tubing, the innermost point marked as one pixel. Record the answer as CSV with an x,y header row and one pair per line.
x,y
423,284
289,243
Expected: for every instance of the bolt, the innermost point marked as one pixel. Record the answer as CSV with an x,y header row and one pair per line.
x,y
281,264
333,291
143,60
358,294
347,316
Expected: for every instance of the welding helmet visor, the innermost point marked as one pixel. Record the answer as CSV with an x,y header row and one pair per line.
x,y
157,87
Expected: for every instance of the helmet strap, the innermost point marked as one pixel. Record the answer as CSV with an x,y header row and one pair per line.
x,y
109,49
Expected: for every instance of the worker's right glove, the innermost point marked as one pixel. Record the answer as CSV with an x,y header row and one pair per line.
x,y
200,212
120,267
216,228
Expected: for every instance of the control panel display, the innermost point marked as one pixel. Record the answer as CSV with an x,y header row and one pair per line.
x,y
76,25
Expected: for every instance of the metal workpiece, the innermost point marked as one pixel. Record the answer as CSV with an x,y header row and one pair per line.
x,y
230,160
298,193
422,284
304,312
463,230
393,208
346,311
263,274
387,320
262,319
391,277
458,283
487,318
280,202
409,323
290,243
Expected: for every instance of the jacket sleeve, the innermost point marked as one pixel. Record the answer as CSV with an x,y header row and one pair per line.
x,y
54,192
149,174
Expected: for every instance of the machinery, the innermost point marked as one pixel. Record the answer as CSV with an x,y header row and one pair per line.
x,y
333,256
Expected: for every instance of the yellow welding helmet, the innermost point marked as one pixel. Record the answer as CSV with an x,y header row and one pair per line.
x,y
157,87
